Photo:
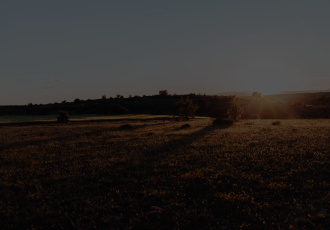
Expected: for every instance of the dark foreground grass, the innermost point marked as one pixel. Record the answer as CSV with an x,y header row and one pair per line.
x,y
157,176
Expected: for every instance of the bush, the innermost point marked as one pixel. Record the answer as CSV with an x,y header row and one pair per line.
x,y
221,121
163,93
296,104
204,103
30,104
77,100
186,108
276,123
256,94
104,97
126,126
118,109
185,126
235,111
63,117
255,116
63,102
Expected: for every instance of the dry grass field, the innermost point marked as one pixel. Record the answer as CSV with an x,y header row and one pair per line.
x,y
80,117
157,175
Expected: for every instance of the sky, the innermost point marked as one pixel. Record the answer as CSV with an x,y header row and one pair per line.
x,y
61,50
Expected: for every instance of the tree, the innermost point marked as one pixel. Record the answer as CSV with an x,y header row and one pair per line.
x,y
235,110
163,93
77,100
186,108
256,94
63,117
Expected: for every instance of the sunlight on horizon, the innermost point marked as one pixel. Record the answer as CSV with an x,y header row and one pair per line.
x,y
267,77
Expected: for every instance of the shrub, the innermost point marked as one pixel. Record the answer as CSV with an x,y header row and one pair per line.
x,y
296,104
221,121
111,98
163,93
118,109
119,96
235,110
256,94
104,97
126,126
77,100
63,117
136,96
255,116
186,108
276,123
249,123
321,99
63,102
130,96
205,103
185,126
30,104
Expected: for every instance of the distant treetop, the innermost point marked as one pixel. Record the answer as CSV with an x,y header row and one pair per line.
x,y
163,93
256,94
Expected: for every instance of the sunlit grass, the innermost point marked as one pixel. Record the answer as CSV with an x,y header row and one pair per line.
x,y
96,175
81,117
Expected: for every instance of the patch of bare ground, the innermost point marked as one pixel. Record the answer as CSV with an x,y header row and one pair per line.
x,y
156,175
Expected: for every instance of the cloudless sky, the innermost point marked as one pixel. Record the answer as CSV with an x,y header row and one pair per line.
x,y
60,50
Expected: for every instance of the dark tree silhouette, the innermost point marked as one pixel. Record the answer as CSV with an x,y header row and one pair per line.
x,y
63,117
256,94
187,108
163,93
235,110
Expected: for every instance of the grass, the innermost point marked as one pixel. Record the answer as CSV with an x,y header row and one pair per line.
x,y
276,123
81,117
87,175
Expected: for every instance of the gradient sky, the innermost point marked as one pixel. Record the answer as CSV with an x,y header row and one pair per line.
x,y
60,50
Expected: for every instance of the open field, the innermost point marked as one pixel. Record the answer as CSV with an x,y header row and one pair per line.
x,y
82,117
96,175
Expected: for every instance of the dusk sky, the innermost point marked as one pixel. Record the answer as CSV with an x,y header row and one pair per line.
x,y
61,50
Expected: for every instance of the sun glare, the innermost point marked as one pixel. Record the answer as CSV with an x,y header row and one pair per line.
x,y
266,77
